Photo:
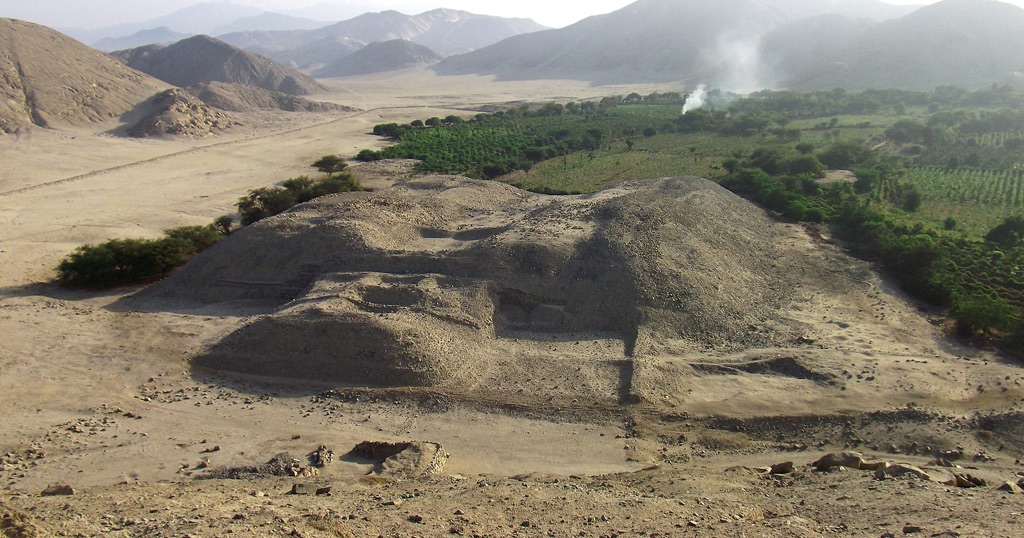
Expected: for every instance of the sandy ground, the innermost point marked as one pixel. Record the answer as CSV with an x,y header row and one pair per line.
x,y
103,400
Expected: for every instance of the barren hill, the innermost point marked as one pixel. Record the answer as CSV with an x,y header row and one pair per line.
x,y
49,80
380,57
205,59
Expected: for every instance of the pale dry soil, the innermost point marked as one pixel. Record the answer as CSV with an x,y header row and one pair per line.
x,y
103,399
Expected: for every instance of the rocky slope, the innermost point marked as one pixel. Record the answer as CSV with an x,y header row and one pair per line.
x,y
50,80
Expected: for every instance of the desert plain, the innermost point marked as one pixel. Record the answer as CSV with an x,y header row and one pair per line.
x,y
103,391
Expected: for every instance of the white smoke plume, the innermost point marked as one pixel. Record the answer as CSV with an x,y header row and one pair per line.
x,y
696,99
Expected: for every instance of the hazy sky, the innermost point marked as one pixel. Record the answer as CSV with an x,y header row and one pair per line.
x,y
97,13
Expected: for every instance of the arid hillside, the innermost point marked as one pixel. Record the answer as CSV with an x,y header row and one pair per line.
x,y
205,59
50,80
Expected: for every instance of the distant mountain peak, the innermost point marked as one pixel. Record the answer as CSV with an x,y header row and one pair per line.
x,y
203,58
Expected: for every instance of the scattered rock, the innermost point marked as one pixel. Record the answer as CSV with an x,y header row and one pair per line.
x,y
305,489
322,456
58,490
832,460
785,467
903,469
416,518
282,464
964,480
412,459
1011,487
911,529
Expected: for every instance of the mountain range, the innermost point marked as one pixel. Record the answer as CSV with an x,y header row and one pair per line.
x,y
963,42
445,31
751,44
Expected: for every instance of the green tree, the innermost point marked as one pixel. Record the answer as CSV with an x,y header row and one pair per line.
x,y
1008,233
200,237
121,262
982,313
264,202
330,164
224,223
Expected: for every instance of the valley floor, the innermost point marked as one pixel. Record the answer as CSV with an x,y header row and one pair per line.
x,y
103,399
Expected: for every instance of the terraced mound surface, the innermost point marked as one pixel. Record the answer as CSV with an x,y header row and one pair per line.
x,y
481,289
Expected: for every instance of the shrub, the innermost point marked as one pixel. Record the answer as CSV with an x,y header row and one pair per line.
x,y
1008,233
200,237
120,262
981,313
264,202
368,155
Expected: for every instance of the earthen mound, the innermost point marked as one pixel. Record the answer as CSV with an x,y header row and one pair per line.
x,y
175,112
448,282
50,80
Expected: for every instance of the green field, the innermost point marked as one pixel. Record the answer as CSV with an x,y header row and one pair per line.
x,y
977,199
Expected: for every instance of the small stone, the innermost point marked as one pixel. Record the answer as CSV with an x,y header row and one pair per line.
x,y
323,490
852,460
965,480
395,502
903,469
1011,488
692,523
238,517
911,529
304,489
416,518
58,490
785,467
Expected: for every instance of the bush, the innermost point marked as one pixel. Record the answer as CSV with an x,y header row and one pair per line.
x,y
121,262
1008,233
200,237
264,202
981,313
368,155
